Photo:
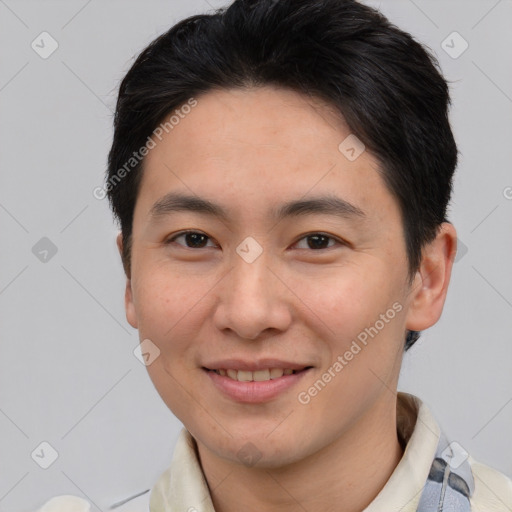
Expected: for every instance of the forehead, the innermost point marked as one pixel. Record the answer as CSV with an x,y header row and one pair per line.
x,y
265,121
252,148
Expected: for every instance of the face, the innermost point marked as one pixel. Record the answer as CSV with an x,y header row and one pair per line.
x,y
297,257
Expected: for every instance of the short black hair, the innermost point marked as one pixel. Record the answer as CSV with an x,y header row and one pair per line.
x,y
386,86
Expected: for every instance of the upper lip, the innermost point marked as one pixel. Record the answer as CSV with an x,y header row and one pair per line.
x,y
253,366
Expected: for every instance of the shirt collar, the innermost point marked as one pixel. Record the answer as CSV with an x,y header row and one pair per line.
x,y
184,487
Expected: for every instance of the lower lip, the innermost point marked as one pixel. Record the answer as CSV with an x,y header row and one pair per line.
x,y
254,392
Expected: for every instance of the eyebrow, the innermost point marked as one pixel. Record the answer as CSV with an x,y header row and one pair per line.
x,y
325,204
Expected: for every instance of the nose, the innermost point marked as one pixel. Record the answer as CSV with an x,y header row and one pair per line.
x,y
253,300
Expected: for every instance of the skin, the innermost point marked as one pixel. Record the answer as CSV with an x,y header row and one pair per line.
x,y
249,150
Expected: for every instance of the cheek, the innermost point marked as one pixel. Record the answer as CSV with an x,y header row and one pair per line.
x,y
348,302
360,319
166,304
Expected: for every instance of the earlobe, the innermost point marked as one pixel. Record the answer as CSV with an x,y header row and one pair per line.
x,y
430,285
131,315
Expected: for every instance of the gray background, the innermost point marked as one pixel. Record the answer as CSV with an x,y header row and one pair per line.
x,y
68,375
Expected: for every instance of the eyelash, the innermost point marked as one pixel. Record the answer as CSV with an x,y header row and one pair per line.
x,y
307,235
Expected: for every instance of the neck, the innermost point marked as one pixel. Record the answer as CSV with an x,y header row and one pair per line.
x,y
344,475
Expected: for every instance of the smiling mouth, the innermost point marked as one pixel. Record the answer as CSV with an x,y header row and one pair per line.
x,y
256,376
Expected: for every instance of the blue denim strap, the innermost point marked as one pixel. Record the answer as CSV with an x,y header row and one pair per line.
x,y
450,482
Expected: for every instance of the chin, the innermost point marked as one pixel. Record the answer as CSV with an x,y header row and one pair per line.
x,y
258,450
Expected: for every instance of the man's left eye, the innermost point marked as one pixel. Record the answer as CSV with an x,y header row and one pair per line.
x,y
317,241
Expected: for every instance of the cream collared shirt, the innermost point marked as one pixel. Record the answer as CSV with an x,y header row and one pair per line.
x,y
183,488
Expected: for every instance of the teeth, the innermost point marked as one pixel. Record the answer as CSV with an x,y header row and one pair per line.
x,y
261,375
275,373
244,376
258,376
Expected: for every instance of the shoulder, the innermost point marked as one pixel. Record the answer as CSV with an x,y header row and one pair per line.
x,y
493,490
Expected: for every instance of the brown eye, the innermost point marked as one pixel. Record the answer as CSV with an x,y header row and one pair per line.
x,y
318,241
193,239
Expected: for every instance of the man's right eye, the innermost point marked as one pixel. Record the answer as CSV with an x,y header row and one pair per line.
x,y
193,239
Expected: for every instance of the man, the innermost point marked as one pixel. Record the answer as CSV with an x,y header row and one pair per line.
x,y
281,172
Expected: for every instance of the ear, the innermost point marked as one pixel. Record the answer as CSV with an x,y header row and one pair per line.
x,y
129,306
430,285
